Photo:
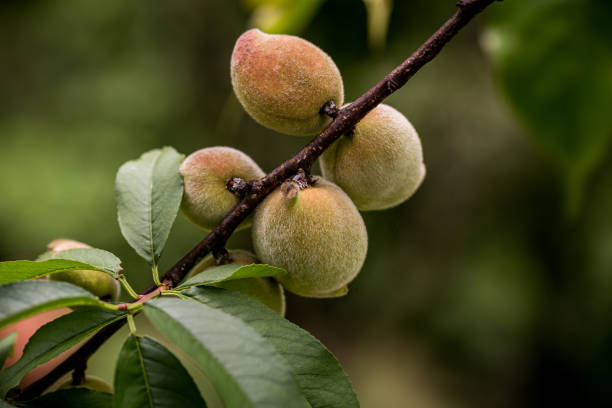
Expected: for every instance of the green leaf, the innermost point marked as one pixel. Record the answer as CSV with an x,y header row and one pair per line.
x,y
19,300
54,338
283,16
148,375
6,347
13,271
379,13
73,398
69,260
231,272
315,369
4,404
245,369
553,59
97,259
149,192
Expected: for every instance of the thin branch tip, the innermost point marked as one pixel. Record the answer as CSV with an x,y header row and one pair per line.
x,y
221,256
238,186
330,109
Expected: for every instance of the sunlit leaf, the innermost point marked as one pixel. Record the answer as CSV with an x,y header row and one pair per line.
x,y
379,13
284,16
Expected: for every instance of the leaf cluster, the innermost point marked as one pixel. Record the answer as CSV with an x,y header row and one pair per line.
x,y
251,355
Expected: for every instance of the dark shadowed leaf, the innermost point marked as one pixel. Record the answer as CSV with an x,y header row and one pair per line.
x,y
149,192
554,60
149,376
245,369
231,272
54,338
315,369
73,398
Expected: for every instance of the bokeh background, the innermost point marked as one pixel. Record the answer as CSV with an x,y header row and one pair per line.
x,y
492,286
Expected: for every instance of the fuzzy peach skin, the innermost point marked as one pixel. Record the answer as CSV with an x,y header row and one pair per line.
x,y
381,164
265,290
283,81
318,236
206,200
25,329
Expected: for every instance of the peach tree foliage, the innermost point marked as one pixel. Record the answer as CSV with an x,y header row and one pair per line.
x,y
307,231
542,51
250,353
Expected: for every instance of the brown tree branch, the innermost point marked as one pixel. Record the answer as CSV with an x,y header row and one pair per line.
x,y
345,119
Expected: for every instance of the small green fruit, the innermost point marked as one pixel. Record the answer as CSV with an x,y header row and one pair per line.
x,y
91,383
283,81
99,283
206,200
317,235
381,164
265,290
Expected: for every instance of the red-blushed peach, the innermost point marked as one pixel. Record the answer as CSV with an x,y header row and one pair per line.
x,y
206,200
283,81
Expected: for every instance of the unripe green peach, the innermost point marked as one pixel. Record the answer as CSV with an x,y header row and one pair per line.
x,y
265,290
99,283
91,383
206,200
283,82
316,234
381,164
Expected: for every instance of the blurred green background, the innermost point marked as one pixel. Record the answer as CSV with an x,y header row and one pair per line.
x,y
492,286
